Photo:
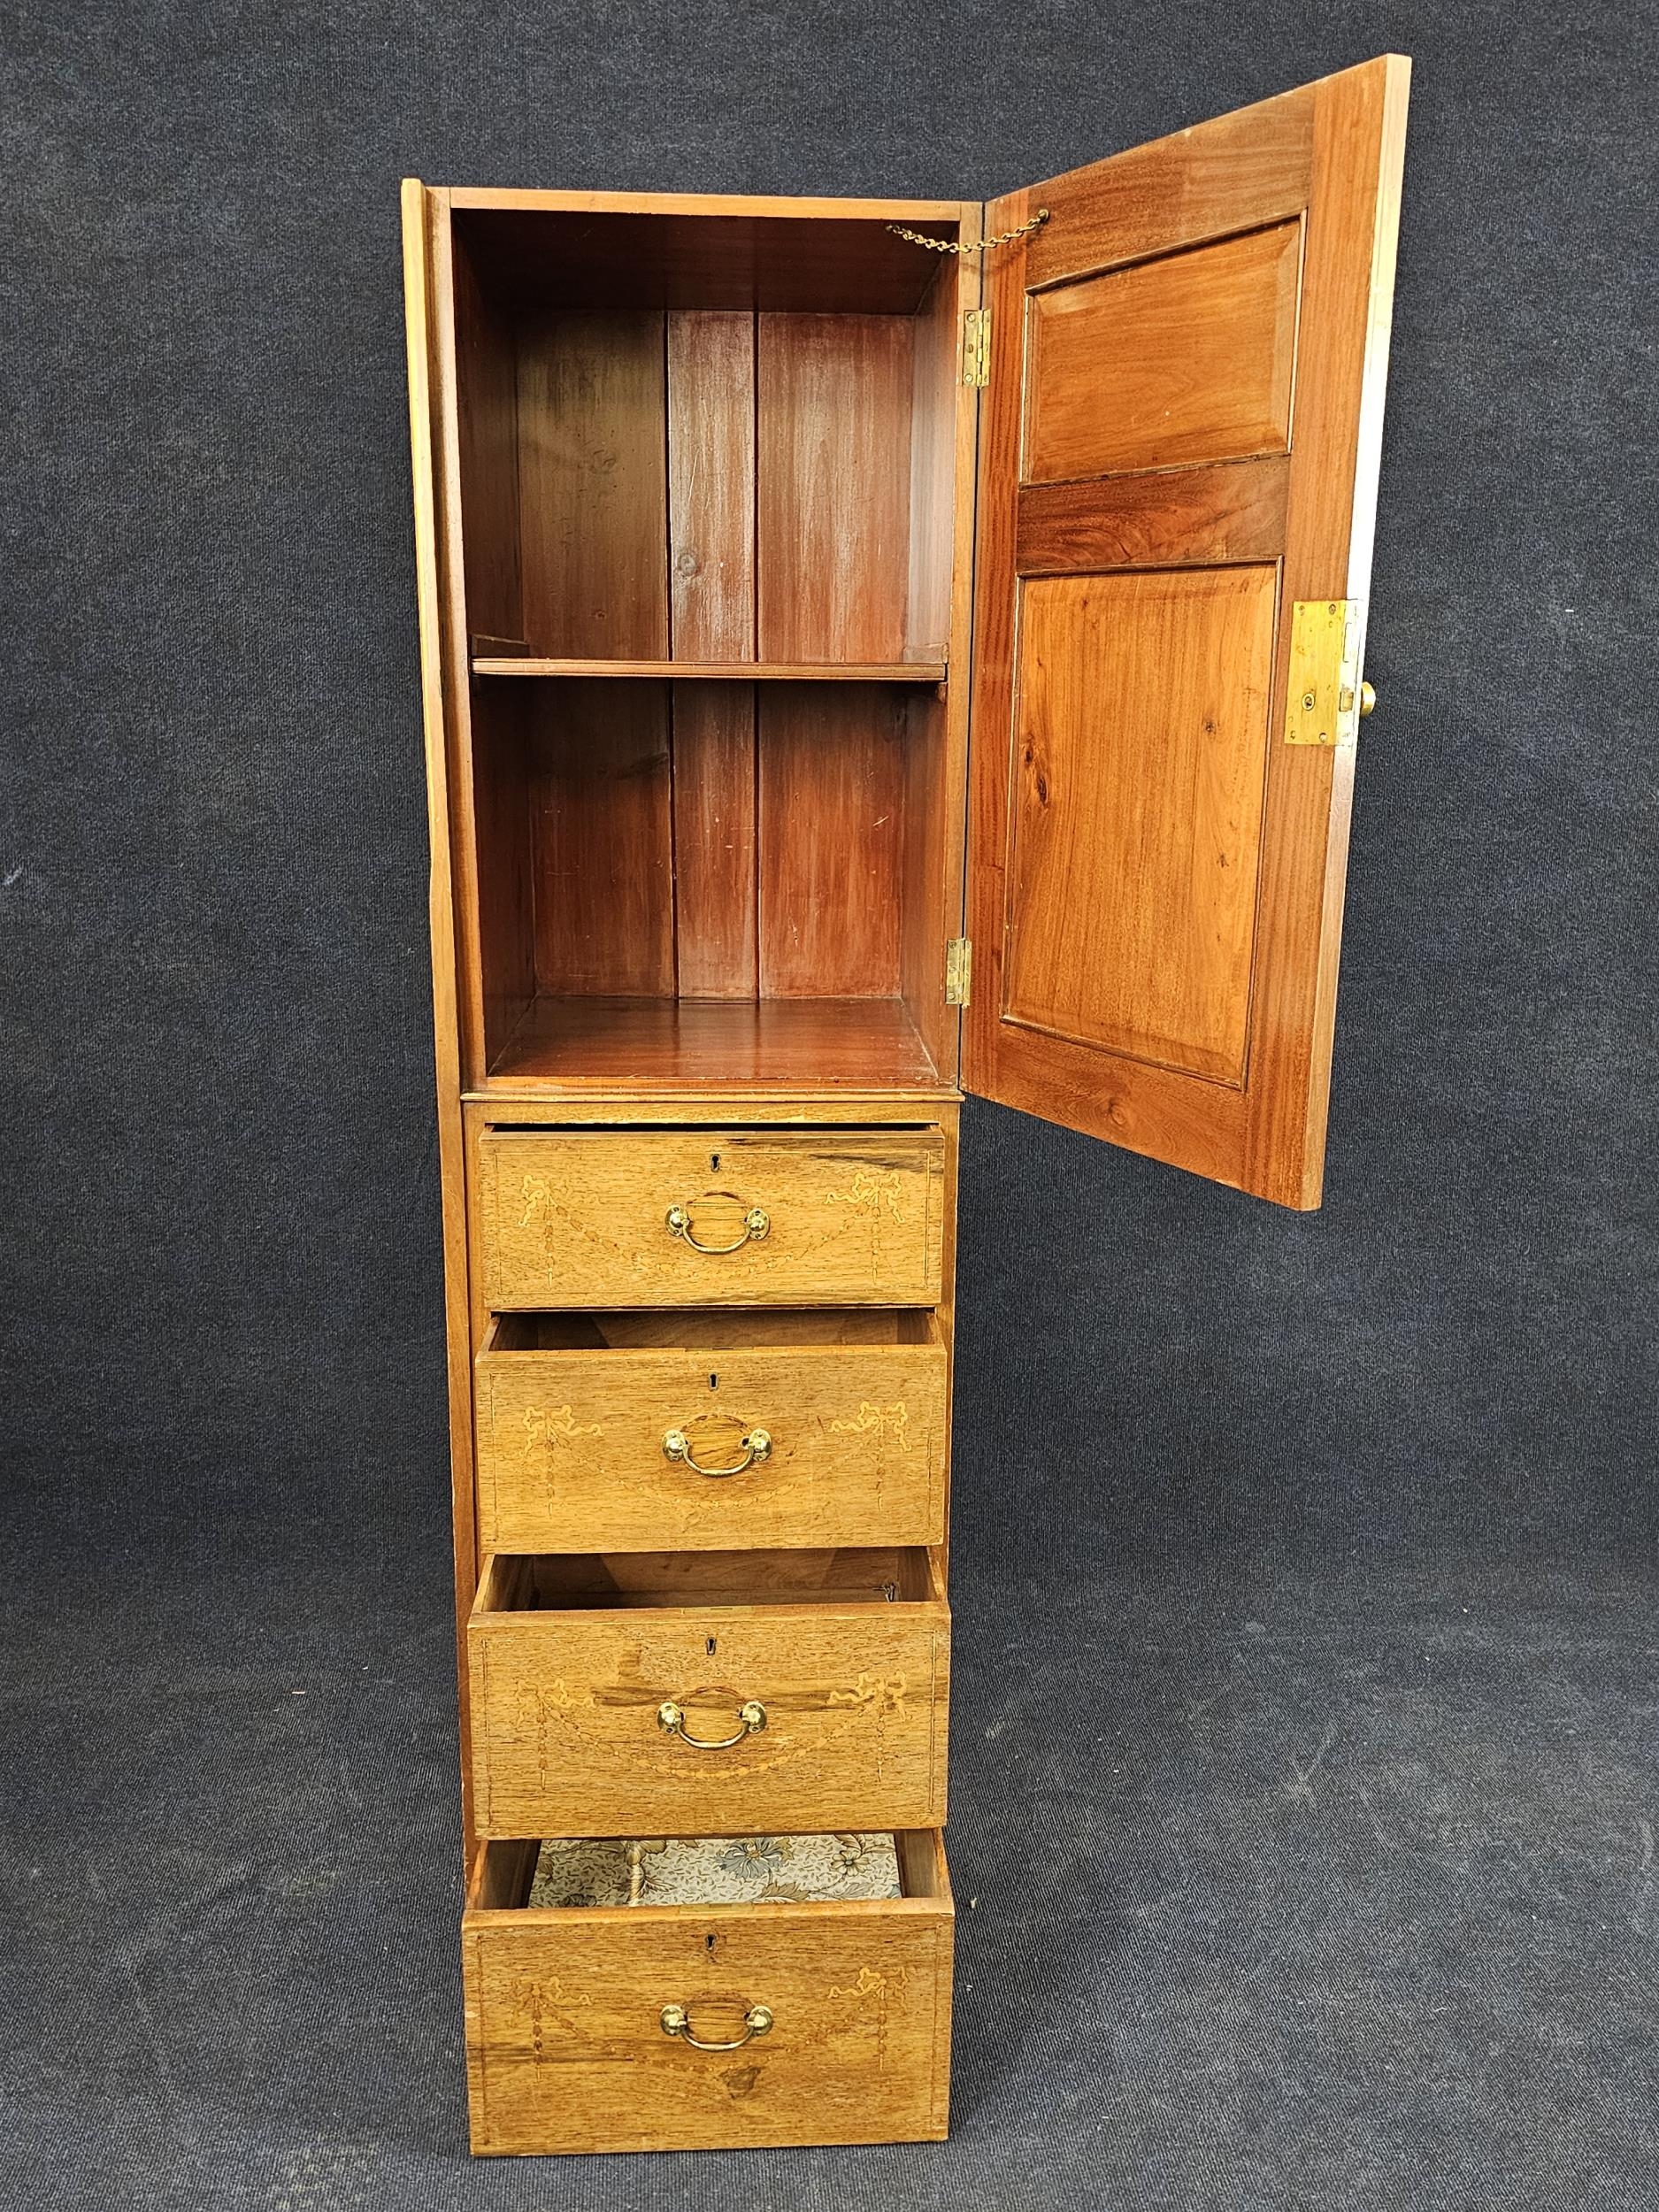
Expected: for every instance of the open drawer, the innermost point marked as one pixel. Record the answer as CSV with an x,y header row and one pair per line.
x,y
709,1217
709,1692
707,1431
707,2026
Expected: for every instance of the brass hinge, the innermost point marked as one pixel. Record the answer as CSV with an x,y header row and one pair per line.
x,y
1322,705
959,970
976,346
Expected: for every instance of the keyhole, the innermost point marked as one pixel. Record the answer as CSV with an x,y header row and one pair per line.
x,y
708,1943
714,1161
710,1647
714,1382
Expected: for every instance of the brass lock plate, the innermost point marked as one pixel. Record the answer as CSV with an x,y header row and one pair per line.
x,y
1322,702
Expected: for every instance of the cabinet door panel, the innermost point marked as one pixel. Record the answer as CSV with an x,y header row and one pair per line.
x,y
1180,443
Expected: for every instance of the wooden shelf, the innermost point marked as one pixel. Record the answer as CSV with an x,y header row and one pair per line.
x,y
785,1043
723,672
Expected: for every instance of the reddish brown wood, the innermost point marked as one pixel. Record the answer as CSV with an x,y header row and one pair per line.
x,y
1331,155
565,250
497,662
593,493
602,807
833,448
1172,362
832,850
715,882
632,1046
711,487
1233,512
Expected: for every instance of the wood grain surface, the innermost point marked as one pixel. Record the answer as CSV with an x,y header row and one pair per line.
x,y
564,1732
564,2040
579,1219
570,1440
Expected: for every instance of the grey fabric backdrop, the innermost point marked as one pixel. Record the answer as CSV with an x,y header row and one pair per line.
x,y
1304,1784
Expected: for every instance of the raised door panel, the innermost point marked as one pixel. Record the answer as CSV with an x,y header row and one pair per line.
x,y
1181,441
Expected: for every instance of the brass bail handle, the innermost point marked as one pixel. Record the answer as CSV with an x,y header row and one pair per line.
x,y
756,1222
677,2021
671,1718
757,1445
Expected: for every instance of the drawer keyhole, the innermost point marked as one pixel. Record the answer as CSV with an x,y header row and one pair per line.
x,y
710,1647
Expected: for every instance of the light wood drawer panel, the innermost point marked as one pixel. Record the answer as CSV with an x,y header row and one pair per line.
x,y
566,2051
566,1739
579,1219
571,1451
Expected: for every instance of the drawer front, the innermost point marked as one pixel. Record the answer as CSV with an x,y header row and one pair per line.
x,y
612,1450
567,1739
766,1218
566,2049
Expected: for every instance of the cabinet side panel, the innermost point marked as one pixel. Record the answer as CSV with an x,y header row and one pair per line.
x,y
486,409
451,1149
939,625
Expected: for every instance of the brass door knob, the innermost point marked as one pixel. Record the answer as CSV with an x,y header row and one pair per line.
x,y
1367,699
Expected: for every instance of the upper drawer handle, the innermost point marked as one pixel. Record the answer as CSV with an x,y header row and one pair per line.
x,y
671,1718
677,2021
757,1447
756,1221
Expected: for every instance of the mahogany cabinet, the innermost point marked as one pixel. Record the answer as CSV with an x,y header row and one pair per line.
x,y
871,651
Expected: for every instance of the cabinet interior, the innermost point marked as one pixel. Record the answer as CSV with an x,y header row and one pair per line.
x,y
506,1870
571,1582
708,490
718,1329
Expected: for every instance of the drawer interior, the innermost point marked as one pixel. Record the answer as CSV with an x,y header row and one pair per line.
x,y
608,1581
713,1331
506,1872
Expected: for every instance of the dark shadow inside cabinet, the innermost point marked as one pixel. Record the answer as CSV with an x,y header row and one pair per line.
x,y
710,475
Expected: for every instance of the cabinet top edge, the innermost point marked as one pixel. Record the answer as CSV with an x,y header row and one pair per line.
x,y
517,200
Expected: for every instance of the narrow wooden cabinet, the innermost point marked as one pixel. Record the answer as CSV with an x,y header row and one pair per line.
x,y
870,651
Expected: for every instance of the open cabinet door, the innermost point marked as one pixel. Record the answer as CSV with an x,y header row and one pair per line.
x,y
1179,442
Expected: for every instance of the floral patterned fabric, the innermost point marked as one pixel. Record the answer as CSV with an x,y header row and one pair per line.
x,y
715,1871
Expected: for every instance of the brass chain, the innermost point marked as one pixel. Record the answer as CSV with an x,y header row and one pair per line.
x,y
947,245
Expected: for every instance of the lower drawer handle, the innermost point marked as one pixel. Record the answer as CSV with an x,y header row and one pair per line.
x,y
757,1445
677,2021
671,1718
756,1222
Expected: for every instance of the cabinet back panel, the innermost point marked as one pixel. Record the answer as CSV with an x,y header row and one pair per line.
x,y
714,840
603,828
831,840
832,525
716,886
711,486
592,486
